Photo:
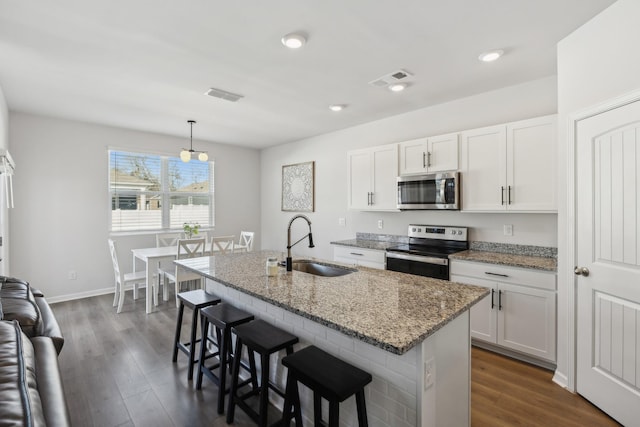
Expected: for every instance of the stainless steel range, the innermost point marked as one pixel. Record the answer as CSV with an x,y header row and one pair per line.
x,y
428,250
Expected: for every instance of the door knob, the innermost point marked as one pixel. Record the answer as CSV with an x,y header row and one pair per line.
x,y
581,271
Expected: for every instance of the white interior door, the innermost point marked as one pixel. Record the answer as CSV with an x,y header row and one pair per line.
x,y
608,246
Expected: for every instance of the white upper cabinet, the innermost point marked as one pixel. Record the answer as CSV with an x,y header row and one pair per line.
x,y
510,167
483,168
372,174
532,165
426,155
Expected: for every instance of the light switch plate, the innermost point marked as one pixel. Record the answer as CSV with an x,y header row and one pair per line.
x,y
341,222
380,224
508,229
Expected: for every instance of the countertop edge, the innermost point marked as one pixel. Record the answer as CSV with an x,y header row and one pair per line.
x,y
347,331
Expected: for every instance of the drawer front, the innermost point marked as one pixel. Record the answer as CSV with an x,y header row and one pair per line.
x,y
359,254
500,273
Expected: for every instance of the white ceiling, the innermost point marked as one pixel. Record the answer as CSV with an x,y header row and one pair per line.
x,y
145,64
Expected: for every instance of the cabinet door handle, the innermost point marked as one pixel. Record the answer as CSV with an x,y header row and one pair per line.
x,y
424,162
501,195
356,253
429,159
499,300
496,274
493,291
373,201
509,195
368,199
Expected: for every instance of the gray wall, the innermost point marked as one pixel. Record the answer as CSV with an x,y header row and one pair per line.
x,y
60,220
532,99
4,214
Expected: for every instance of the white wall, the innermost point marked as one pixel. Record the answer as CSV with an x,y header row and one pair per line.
x,y
60,220
597,62
532,99
4,214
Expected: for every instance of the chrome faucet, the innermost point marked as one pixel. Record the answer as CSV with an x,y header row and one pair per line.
x,y
289,245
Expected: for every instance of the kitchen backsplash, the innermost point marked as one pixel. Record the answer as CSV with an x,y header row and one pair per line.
x,y
391,238
505,248
508,248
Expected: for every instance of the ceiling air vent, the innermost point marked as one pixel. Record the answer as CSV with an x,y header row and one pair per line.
x,y
223,94
391,78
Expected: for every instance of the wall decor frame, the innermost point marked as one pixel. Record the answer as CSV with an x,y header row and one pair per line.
x,y
298,187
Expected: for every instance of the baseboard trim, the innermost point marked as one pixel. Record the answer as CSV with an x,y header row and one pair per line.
x,y
561,380
79,295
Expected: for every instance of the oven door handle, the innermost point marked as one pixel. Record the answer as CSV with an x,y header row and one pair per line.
x,y
418,258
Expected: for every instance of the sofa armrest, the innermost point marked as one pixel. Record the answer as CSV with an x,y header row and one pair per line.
x,y
49,381
36,292
50,326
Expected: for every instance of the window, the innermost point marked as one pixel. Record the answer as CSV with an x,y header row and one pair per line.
x,y
152,192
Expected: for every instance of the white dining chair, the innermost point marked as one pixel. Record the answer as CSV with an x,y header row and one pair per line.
x,y
167,239
187,248
245,243
123,280
163,240
222,244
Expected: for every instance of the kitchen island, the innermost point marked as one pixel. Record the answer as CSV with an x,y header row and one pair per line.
x,y
410,332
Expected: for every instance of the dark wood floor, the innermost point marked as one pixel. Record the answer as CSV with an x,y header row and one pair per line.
x,y
117,371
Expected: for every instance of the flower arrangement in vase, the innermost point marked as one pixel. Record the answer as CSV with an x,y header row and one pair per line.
x,y
190,229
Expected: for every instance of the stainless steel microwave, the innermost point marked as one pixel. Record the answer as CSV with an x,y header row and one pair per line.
x,y
431,191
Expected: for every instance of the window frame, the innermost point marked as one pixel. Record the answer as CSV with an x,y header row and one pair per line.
x,y
164,193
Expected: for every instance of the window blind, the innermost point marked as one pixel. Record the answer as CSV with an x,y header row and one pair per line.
x,y
153,192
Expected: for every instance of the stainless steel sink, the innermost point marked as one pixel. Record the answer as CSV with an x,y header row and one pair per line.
x,y
321,269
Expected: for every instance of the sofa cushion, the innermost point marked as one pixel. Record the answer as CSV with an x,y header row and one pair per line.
x,y
20,402
18,303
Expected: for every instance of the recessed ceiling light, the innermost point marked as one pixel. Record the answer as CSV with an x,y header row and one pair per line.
x,y
397,87
491,55
337,107
294,40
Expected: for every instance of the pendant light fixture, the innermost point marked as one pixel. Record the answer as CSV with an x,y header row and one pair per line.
x,y
185,155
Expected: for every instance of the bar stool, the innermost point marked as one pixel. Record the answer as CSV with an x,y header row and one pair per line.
x,y
328,377
223,317
195,300
262,338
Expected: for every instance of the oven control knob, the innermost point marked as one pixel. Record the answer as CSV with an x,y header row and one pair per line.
x,y
459,232
453,231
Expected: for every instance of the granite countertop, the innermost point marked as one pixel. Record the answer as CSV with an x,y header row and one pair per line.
x,y
511,260
391,310
366,244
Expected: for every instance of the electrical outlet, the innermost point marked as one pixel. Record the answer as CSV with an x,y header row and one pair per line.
x,y
380,224
73,275
429,373
508,230
341,222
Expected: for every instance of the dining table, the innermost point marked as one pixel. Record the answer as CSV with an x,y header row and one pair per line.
x,y
151,257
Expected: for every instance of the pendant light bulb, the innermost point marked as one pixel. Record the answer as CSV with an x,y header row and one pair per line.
x,y
203,157
185,156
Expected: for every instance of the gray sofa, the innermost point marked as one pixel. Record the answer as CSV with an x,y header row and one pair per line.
x,y
31,392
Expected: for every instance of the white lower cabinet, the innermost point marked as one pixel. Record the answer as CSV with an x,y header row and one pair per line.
x,y
365,257
520,312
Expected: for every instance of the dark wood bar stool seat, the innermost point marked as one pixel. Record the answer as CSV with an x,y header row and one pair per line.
x,y
328,377
223,317
195,300
262,338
